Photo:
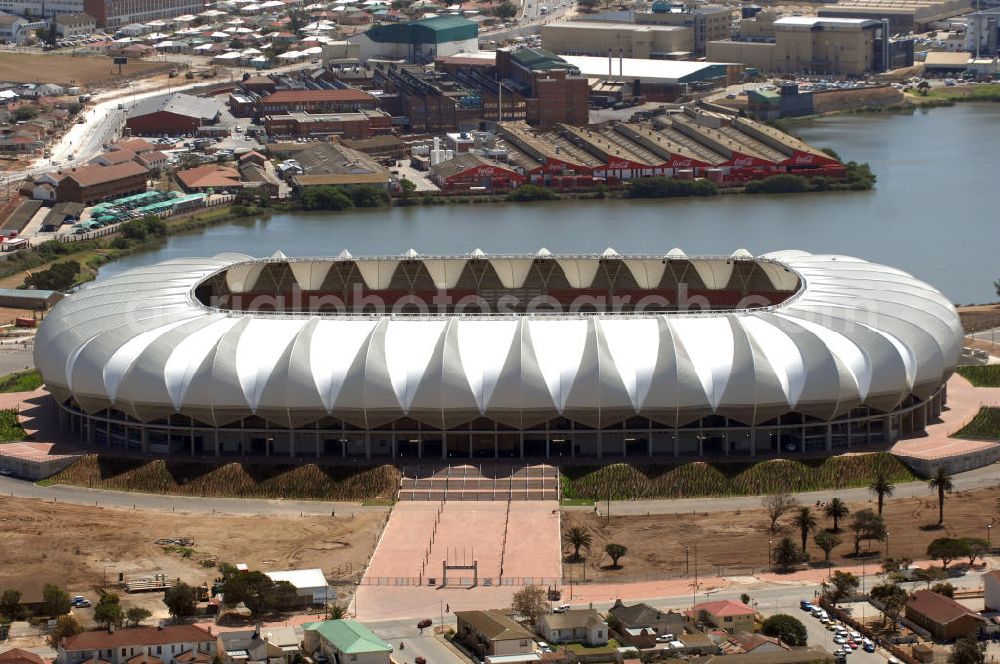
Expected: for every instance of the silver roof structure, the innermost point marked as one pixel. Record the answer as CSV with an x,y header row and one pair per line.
x,y
851,333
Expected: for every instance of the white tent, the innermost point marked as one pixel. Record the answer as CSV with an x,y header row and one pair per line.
x,y
231,56
203,47
290,55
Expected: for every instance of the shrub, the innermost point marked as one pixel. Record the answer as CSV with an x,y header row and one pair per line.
x,y
670,188
984,375
527,193
984,426
326,198
368,197
21,381
783,183
10,428
787,628
60,276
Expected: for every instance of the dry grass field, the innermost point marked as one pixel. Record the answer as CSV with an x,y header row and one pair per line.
x,y
66,69
738,540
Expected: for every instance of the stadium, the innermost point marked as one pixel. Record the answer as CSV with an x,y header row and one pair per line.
x,y
503,356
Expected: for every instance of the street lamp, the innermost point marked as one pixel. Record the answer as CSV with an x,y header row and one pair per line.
x,y
769,542
687,561
887,533
989,527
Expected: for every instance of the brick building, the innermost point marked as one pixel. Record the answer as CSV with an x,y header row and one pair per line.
x,y
360,124
116,13
93,184
316,101
172,114
942,616
553,90
470,171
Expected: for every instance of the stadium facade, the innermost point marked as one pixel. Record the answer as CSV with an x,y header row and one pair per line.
x,y
481,356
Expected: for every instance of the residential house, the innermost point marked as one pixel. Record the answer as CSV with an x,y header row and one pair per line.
x,y
791,656
745,642
584,626
13,29
727,614
19,656
492,633
153,161
644,615
344,642
165,644
114,158
942,616
274,645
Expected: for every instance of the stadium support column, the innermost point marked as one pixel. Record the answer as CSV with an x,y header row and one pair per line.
x,y
368,445
444,445
144,439
753,441
829,437
291,443
218,452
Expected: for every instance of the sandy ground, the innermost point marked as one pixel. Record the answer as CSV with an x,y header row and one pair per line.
x,y
83,547
735,543
980,317
64,69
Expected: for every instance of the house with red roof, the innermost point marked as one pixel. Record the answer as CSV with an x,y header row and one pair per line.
x,y
137,645
727,614
19,656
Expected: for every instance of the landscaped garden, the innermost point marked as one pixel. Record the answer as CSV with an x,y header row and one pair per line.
x,y
981,375
984,426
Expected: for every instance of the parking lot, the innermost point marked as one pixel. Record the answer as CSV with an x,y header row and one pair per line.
x,y
837,639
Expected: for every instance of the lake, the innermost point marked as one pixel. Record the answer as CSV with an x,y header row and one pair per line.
x,y
933,212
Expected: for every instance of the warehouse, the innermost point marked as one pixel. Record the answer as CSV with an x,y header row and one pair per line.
x,y
339,100
472,172
310,584
657,80
418,42
93,184
789,354
173,114
360,124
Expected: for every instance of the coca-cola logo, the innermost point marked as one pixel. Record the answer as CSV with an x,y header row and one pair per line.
x,y
682,163
618,165
804,159
486,170
743,162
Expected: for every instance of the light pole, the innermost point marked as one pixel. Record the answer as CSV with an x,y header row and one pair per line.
x,y
768,565
989,527
887,533
687,561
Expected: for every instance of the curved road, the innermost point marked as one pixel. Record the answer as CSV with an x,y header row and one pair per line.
x,y
981,478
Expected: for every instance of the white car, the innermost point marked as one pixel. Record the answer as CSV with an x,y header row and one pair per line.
x,y
562,608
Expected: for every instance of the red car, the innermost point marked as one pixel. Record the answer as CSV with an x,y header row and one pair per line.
x,y
424,624
419,660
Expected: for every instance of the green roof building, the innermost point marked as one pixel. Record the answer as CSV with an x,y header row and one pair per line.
x,y
345,641
419,41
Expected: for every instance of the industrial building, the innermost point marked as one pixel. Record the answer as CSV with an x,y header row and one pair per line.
x,y
418,41
903,15
814,45
707,22
360,124
335,100
553,89
93,184
116,13
789,354
173,114
657,80
470,172
76,24
618,39
982,36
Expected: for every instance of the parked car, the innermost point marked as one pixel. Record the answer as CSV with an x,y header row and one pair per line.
x,y
424,624
562,608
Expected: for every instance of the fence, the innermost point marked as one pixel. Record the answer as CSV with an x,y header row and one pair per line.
x,y
416,581
219,200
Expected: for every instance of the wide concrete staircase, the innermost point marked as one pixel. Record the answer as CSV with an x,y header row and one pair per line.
x,y
479,483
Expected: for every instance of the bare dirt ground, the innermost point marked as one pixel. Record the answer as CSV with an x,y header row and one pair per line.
x,y
981,317
65,69
739,540
84,548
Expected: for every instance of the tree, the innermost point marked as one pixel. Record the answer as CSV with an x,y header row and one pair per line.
x,y
250,588
785,627
280,596
336,612
227,570
866,526
892,598
930,575
745,598
841,585
109,611
59,276
578,538
181,599
10,605
407,187
923,87
975,548
805,522
941,482
55,600
827,542
968,649
616,552
66,626
785,555
530,602
587,5
505,9
24,114
945,589
947,549
881,488
136,615
778,505
836,509
325,198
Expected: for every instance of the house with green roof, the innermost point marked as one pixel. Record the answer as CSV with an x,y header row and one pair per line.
x,y
344,642
418,41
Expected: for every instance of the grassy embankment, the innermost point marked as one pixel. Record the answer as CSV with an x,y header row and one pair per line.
x,y
235,479
983,375
21,381
696,479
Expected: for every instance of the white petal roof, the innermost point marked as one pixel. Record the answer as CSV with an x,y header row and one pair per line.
x,y
853,333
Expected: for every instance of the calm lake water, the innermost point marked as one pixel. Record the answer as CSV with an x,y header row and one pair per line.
x,y
933,213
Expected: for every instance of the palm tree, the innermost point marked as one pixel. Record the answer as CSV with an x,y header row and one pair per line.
x,y
578,538
943,484
836,509
805,522
881,488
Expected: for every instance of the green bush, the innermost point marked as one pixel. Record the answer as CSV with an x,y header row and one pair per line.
x,y
670,188
10,428
984,426
783,183
527,193
60,276
985,375
368,197
21,381
326,198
